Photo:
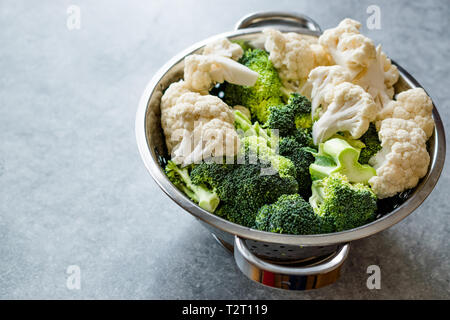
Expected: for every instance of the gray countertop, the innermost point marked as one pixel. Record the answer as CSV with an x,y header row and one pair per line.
x,y
74,190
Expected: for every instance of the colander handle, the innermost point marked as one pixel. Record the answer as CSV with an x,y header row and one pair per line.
x,y
278,18
284,277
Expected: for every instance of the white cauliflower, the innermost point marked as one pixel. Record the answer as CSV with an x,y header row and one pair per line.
x,y
196,126
171,95
294,56
225,48
201,72
348,47
214,138
368,66
413,104
168,100
379,79
320,80
348,108
403,159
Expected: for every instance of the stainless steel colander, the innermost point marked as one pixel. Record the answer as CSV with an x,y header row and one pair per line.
x,y
284,261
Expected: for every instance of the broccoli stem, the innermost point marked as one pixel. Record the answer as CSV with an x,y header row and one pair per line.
x,y
317,195
242,122
205,198
345,157
260,132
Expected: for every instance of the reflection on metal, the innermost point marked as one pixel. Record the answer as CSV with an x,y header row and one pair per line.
x,y
310,274
278,19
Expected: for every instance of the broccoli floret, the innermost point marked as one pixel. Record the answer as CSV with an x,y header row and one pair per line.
x,y
296,114
341,205
303,137
294,130
281,118
290,214
259,176
257,149
206,198
302,158
242,188
372,144
338,156
266,92
304,121
290,148
246,128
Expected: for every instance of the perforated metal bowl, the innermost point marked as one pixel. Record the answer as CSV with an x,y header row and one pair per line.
x,y
278,260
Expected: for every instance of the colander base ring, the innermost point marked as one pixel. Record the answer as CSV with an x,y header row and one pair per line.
x,y
304,274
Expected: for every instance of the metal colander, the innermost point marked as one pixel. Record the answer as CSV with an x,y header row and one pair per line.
x,y
285,261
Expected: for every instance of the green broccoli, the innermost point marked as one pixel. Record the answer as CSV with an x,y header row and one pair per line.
x,y
244,124
372,144
296,114
242,188
259,176
257,141
336,155
290,214
206,198
258,148
266,92
302,157
304,137
341,205
241,122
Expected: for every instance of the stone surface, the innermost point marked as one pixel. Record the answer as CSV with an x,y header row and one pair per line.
x,y
74,190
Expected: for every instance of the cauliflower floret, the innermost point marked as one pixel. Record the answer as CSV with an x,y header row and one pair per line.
x,y
379,79
168,100
225,48
320,80
171,95
413,104
214,138
348,47
321,54
202,71
348,109
368,66
294,56
403,159
197,126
